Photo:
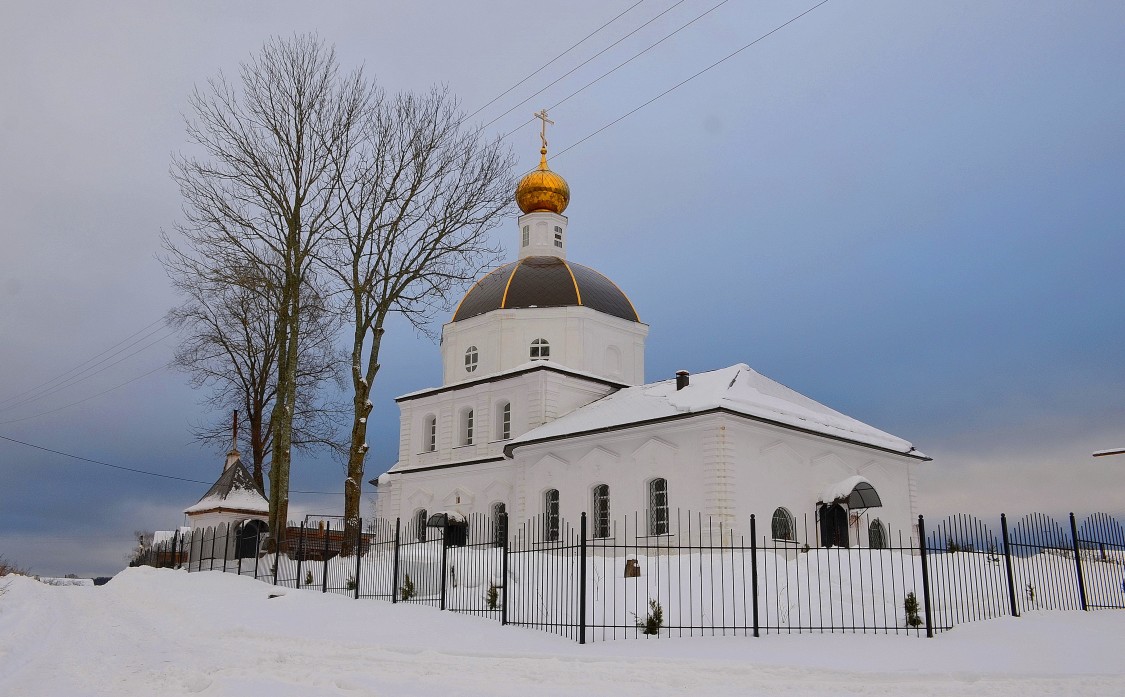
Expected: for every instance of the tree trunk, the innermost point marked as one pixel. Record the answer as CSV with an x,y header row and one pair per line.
x,y
358,447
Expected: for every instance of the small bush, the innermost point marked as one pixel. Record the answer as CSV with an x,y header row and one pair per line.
x,y
351,582
406,592
492,597
911,607
951,546
654,620
308,578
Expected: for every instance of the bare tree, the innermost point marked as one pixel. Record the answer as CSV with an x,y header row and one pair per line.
x,y
421,191
264,193
229,347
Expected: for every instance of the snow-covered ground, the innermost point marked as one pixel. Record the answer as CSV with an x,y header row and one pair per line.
x,y
163,632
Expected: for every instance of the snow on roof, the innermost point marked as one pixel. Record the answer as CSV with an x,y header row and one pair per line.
x,y
523,367
167,535
234,489
738,388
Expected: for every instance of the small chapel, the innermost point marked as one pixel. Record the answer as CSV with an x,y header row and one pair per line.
x,y
543,412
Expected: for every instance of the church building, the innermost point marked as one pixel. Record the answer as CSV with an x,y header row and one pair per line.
x,y
543,411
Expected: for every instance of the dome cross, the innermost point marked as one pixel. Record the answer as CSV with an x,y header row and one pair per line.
x,y
542,116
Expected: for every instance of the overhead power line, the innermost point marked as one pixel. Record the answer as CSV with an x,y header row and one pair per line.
x,y
689,79
84,363
140,471
548,63
82,378
569,72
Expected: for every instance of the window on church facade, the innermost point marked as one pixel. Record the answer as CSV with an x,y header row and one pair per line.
x,y
877,535
551,516
420,525
504,423
498,532
470,359
430,434
467,427
601,510
782,525
540,349
558,236
526,235
658,507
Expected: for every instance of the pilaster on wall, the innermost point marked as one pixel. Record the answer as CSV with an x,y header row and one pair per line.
x,y
718,476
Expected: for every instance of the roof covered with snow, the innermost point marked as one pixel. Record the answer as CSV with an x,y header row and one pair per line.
x,y
527,367
234,490
738,389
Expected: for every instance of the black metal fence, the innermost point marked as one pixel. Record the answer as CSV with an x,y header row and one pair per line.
x,y
698,576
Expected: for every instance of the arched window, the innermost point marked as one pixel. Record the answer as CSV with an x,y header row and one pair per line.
x,y
877,535
429,434
471,359
601,510
467,427
420,525
498,511
658,507
782,525
540,350
504,421
551,515
526,235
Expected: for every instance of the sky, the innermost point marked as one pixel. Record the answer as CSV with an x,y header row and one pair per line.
x,y
910,212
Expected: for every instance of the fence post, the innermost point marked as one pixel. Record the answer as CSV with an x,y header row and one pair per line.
x,y
175,536
277,561
1008,566
925,577
582,581
300,552
754,569
324,559
504,568
394,571
358,545
237,545
226,546
211,556
257,550
444,558
1078,563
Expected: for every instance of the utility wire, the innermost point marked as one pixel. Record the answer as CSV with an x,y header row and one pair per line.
x,y
621,65
139,471
83,363
548,63
76,380
87,399
674,5
684,82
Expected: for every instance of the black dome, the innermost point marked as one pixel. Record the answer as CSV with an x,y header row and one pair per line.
x,y
545,282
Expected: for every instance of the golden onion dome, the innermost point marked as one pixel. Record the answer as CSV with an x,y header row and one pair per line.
x,y
542,190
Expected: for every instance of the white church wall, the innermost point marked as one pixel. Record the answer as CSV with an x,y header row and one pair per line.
x,y
578,338
536,397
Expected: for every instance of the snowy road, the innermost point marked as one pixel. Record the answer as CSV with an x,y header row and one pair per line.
x,y
160,632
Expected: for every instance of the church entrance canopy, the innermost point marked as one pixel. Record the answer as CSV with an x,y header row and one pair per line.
x,y
855,492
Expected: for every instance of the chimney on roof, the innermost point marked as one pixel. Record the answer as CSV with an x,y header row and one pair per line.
x,y
682,379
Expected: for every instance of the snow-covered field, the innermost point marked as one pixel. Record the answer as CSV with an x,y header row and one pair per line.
x,y
164,632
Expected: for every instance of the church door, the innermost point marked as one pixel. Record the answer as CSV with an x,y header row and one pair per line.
x,y
833,525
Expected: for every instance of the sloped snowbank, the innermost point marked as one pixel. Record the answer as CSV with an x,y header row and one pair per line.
x,y
170,633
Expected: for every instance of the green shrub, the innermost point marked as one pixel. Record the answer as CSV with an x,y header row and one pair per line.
x,y
911,607
406,592
654,620
493,597
308,578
